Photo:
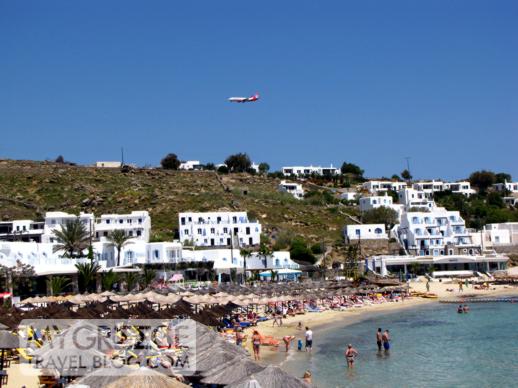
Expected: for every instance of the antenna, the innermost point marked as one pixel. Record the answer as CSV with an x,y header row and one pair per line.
x,y
408,164
122,156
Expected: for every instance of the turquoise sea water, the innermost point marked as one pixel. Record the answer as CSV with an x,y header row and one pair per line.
x,y
432,346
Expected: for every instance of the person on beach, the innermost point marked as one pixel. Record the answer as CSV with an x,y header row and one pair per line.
x,y
275,321
428,286
256,344
239,336
379,339
460,286
309,339
299,327
386,340
287,341
307,377
350,355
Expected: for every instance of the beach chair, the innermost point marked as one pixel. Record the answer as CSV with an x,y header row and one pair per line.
x,y
22,353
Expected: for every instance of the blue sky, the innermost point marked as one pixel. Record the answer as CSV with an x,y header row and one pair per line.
x,y
369,82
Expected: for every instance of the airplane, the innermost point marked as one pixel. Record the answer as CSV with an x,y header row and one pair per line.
x,y
253,98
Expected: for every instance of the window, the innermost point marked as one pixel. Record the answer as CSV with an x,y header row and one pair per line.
x,y
186,231
130,220
234,219
139,233
358,232
277,263
225,230
200,231
107,221
212,230
121,221
378,231
182,220
140,220
105,234
156,254
130,233
247,230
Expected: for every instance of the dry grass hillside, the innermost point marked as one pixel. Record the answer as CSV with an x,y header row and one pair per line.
x,y
28,189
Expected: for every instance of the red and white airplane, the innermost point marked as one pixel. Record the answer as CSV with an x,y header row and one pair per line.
x,y
253,98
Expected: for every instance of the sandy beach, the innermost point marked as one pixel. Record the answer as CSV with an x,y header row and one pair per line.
x,y
318,321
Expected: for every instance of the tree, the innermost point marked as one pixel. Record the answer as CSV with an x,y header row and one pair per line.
x,y
482,180
131,279
109,279
495,199
147,276
210,166
238,162
351,168
503,177
87,273
223,169
16,274
170,162
395,177
60,159
405,174
57,284
72,238
264,252
264,167
299,251
245,253
118,239
381,215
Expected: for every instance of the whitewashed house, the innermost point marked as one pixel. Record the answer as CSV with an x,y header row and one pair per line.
x,y
21,230
301,171
212,229
501,234
412,198
112,164
375,186
365,232
506,186
54,221
190,165
349,195
430,187
136,225
292,188
374,202
435,232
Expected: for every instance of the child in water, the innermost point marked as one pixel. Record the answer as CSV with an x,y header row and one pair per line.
x,y
299,345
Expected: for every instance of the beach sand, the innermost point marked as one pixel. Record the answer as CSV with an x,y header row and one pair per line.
x,y
319,321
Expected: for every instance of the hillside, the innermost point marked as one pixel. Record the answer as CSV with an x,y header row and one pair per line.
x,y
28,189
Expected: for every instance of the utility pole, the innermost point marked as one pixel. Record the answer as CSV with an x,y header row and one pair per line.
x,y
122,156
408,164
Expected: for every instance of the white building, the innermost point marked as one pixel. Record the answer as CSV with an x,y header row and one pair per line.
x,y
506,186
500,234
108,164
430,187
374,202
301,171
21,230
349,195
54,221
231,258
190,165
292,188
365,232
212,229
412,198
435,233
136,225
380,186
452,265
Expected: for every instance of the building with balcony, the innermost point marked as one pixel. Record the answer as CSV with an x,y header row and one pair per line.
x,y
383,186
434,233
374,202
438,266
412,198
292,188
136,225
430,187
213,229
301,171
54,221
21,230
506,186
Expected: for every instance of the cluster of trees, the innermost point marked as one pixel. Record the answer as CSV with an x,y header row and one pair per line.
x,y
381,215
483,179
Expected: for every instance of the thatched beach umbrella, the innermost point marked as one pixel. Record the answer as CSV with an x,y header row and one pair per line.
x,y
7,341
103,376
232,371
145,377
270,377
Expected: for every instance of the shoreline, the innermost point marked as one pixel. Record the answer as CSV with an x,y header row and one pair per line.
x,y
330,319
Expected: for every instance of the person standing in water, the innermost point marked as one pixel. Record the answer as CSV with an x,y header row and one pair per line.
x,y
309,339
379,339
350,354
386,340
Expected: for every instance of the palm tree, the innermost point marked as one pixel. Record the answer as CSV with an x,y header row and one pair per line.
x,y
131,279
57,284
246,253
109,279
147,276
73,239
118,239
87,273
264,252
